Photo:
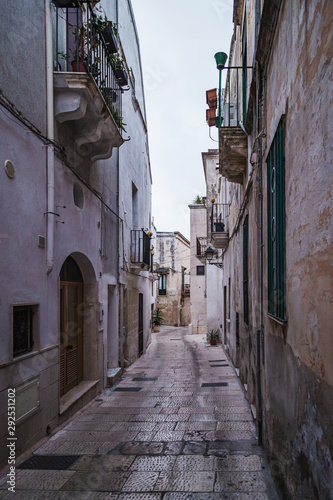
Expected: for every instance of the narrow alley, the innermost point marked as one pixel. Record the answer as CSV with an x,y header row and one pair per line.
x,y
176,426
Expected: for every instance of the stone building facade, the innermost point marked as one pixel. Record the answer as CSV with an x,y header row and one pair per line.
x,y
275,151
206,274
76,286
172,262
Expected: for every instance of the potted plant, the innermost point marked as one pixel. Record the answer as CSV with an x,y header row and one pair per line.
x,y
157,319
79,52
213,336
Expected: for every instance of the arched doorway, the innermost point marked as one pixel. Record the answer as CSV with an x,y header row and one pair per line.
x,y
71,326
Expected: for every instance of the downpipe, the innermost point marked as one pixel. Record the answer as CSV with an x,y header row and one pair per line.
x,y
50,133
260,331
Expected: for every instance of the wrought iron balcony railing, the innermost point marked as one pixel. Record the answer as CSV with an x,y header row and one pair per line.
x,y
140,249
219,218
87,43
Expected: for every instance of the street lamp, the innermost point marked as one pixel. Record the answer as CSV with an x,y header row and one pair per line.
x,y
220,58
209,253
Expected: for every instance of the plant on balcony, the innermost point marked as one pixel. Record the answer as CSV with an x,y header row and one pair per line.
x,y
157,319
198,200
213,336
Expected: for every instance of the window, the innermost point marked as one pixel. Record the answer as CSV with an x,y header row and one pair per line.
x,y
276,226
200,270
24,327
162,284
246,269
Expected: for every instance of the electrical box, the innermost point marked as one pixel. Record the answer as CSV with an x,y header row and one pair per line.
x,y
230,115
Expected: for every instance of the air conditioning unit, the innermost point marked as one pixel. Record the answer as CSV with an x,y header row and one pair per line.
x,y
230,115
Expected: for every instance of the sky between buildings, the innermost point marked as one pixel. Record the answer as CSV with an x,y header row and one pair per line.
x,y
178,40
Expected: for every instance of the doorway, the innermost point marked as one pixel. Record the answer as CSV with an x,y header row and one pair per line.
x,y
71,326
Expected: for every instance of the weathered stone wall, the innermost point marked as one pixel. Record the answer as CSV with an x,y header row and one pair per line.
x,y
298,356
295,365
173,254
198,225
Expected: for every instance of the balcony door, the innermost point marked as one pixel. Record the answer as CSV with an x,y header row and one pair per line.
x,y
71,326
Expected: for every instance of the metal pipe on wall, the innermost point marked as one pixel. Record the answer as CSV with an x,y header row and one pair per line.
x,y
50,133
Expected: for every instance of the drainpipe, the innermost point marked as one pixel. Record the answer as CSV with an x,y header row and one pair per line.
x,y
50,134
260,331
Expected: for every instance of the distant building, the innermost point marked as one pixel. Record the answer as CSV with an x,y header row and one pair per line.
x,y
206,261
76,287
172,261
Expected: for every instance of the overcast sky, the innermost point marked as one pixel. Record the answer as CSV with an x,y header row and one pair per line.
x,y
178,40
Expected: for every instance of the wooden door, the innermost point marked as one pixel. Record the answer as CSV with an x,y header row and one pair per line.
x,y
71,328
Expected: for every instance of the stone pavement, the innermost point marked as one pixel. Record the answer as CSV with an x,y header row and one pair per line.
x,y
163,432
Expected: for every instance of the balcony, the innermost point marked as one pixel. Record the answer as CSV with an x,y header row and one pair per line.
x,y
140,250
202,245
218,224
232,135
89,78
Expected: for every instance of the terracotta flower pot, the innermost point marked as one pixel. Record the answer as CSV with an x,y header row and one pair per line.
x,y
78,68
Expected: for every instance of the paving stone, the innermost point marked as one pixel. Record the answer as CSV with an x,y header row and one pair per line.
x,y
239,426
196,426
111,417
192,496
164,463
140,481
60,495
195,448
145,436
215,496
169,436
86,426
195,462
133,426
229,435
42,479
78,448
136,448
108,446
96,481
197,436
140,496
173,448
202,417
185,481
239,463
104,462
177,417
233,417
146,417
240,482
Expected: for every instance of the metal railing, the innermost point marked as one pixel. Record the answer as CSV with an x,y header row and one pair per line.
x,y
202,245
236,93
84,42
140,247
219,217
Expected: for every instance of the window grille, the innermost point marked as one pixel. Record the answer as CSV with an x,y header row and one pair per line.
x,y
276,226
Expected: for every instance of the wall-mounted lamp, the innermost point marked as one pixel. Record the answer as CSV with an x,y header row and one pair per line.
x,y
220,58
209,253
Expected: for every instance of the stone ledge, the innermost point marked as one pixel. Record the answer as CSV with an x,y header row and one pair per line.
x,y
113,375
71,397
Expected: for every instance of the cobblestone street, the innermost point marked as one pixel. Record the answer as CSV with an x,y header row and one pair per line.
x,y
177,426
